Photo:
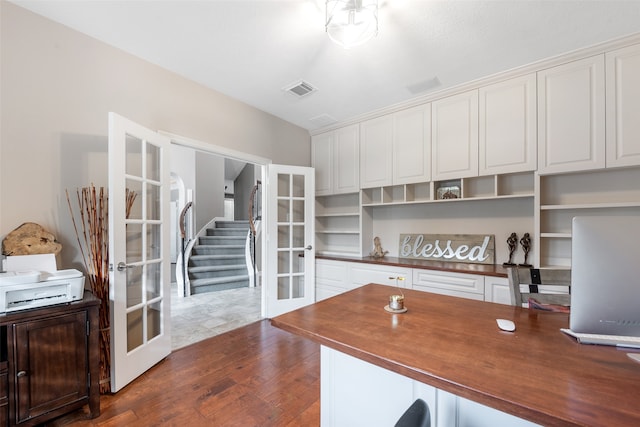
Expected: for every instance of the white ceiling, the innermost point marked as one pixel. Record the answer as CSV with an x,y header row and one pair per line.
x,y
251,50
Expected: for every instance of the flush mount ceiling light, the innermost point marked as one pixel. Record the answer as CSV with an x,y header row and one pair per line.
x,y
351,22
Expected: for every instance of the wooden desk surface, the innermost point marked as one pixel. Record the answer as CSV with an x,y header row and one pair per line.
x,y
537,372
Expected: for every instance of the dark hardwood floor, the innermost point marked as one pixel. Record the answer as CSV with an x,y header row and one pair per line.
x,y
256,375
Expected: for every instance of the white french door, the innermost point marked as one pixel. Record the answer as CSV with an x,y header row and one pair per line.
x,y
290,256
139,249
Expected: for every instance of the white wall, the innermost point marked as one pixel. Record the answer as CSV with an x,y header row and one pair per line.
x,y
57,87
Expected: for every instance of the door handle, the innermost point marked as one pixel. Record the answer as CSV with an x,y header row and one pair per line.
x,y
21,374
122,266
309,247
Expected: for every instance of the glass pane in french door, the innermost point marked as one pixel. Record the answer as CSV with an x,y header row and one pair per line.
x,y
143,242
291,236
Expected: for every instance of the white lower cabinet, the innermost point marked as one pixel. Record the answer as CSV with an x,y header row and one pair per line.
x,y
496,289
335,277
362,274
330,278
454,284
357,393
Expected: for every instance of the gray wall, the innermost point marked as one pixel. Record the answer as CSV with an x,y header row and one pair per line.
x,y
57,87
242,190
209,191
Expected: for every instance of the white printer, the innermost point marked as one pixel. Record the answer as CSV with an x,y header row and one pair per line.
x,y
34,281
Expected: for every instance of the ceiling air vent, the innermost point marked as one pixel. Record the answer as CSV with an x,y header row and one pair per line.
x,y
323,120
300,89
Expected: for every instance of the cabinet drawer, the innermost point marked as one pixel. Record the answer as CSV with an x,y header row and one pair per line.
x,y
455,284
334,272
362,274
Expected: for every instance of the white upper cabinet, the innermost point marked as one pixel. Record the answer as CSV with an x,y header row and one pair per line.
x,y
322,161
412,145
454,136
336,158
376,148
571,116
623,106
508,126
396,148
346,155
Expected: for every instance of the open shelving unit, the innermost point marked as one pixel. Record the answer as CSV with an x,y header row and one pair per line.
x,y
588,193
488,187
338,224
343,219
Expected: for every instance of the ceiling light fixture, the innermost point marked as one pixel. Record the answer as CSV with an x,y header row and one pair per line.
x,y
351,22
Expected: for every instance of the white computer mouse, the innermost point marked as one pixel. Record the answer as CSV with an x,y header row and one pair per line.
x,y
506,325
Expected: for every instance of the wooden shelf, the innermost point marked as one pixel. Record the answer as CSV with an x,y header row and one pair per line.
x,y
590,206
592,192
338,231
338,215
467,199
555,235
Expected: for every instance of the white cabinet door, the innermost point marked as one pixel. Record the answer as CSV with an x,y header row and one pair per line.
x,y
357,393
346,160
454,136
336,158
571,116
361,274
412,145
469,286
623,107
457,411
496,289
331,278
322,161
507,137
376,159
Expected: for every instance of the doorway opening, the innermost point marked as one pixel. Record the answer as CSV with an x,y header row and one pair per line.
x,y
219,187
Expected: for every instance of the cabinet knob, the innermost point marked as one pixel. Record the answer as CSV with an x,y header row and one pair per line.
x,y
22,374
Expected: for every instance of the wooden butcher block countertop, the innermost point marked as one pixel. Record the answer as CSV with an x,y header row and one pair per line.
x,y
537,372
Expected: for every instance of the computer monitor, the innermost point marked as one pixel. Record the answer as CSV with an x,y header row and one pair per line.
x,y
605,275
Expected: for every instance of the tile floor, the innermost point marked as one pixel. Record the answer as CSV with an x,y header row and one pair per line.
x,y
201,316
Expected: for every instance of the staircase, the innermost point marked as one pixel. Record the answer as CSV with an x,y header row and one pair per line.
x,y
217,261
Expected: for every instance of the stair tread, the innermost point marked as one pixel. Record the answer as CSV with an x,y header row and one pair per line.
x,y
216,257
214,280
200,269
238,229
220,253
219,246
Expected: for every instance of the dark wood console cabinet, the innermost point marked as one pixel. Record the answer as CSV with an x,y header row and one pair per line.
x,y
49,362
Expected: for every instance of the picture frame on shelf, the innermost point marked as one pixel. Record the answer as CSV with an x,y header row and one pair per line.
x,y
447,190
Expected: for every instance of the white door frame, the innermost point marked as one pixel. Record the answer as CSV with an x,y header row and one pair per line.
x,y
236,155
